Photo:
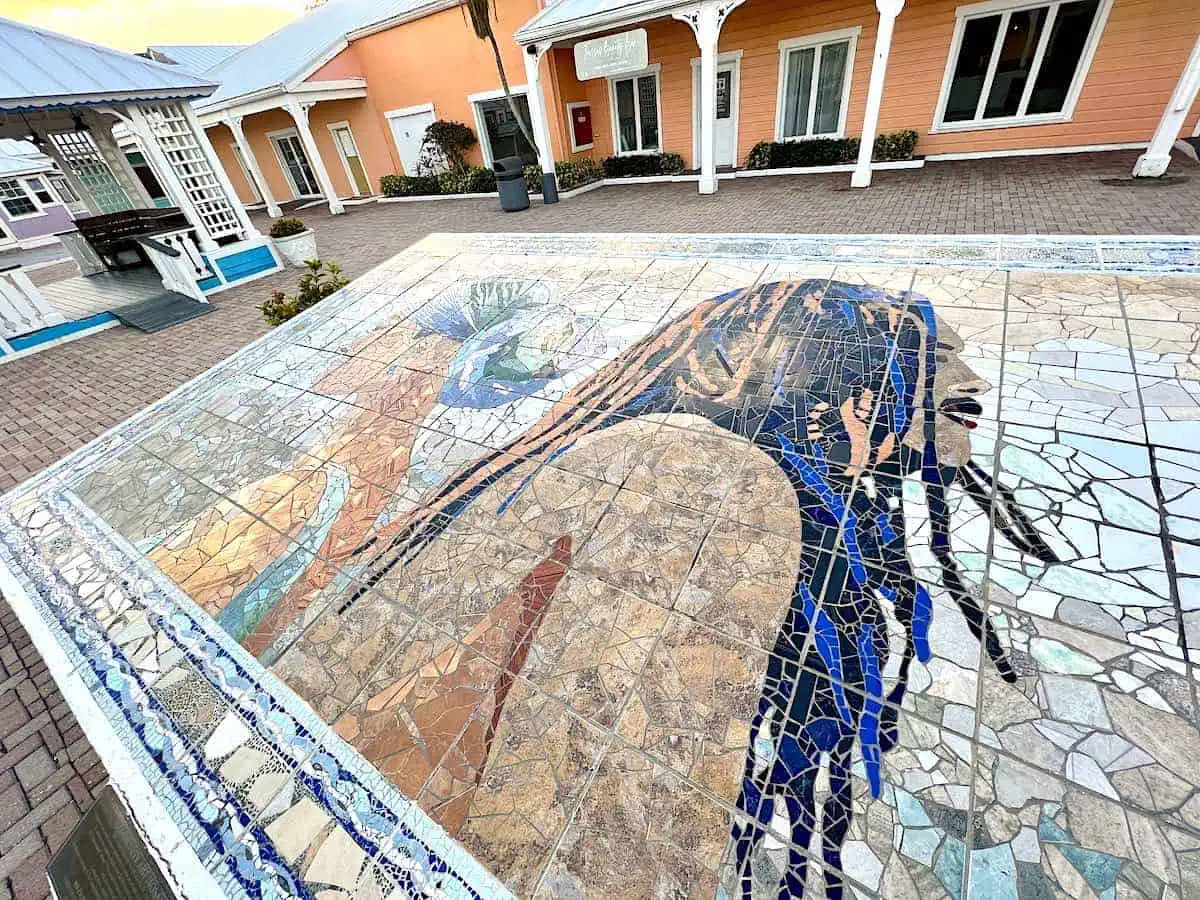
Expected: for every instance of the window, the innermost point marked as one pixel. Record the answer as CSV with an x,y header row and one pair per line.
x,y
502,131
64,189
40,191
637,118
16,202
1018,65
814,85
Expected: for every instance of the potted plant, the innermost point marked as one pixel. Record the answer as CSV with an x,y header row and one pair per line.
x,y
294,242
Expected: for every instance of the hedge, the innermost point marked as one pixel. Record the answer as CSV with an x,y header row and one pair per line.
x,y
570,175
473,180
642,164
897,145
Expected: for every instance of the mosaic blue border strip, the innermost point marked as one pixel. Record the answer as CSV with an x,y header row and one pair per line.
x,y
411,848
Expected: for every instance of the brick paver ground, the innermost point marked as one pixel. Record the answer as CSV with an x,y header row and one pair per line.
x,y
55,401
48,772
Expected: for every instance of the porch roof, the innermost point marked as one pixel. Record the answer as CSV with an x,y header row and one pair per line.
x,y
44,70
572,18
22,158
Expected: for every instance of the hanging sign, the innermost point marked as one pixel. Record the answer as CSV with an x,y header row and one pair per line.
x,y
615,54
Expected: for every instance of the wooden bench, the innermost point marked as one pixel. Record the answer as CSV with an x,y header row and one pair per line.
x,y
114,235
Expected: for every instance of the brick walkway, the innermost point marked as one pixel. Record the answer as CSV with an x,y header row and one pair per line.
x,y
48,772
55,401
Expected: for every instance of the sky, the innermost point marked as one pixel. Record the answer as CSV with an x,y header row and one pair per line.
x,y
133,25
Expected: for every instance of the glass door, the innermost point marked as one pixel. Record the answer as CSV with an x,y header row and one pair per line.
x,y
295,165
504,135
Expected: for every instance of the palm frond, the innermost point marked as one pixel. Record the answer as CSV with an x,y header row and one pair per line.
x,y
480,19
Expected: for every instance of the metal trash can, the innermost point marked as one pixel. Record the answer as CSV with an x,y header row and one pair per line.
x,y
510,182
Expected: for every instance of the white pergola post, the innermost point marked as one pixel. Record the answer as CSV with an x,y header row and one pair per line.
x,y
299,113
141,127
85,196
249,231
540,122
706,20
260,181
888,10
1157,157
100,127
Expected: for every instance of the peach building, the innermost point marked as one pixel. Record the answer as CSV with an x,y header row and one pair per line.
x,y
327,105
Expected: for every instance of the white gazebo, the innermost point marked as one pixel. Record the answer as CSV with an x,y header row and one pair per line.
x,y
66,95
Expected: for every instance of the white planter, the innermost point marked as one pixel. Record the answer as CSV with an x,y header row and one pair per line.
x,y
298,247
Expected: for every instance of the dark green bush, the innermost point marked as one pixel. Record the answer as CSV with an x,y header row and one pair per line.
x,y
473,180
445,146
643,164
286,227
571,174
321,280
896,145
409,185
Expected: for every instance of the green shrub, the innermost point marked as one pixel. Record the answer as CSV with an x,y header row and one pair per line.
x,y
408,185
896,145
286,227
321,280
571,174
643,164
473,180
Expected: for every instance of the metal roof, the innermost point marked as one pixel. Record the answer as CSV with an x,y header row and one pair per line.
x,y
196,58
571,17
288,53
22,157
45,69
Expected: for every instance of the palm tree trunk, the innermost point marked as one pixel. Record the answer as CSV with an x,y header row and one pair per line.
x,y
512,104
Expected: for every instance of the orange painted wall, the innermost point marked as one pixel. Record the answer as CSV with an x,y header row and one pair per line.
x,y
438,60
1141,53
222,139
345,65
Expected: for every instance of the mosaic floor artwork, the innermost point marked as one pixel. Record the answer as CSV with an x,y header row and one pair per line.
x,y
599,566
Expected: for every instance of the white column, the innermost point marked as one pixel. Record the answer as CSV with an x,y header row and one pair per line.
x,y
888,10
100,128
706,20
260,181
299,113
1157,157
249,231
85,196
539,121
141,127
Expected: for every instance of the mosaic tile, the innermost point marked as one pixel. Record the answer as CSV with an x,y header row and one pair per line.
x,y
641,565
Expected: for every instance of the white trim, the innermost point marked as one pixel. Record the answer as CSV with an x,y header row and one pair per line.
x,y
735,100
333,127
273,137
1005,8
424,197
1033,151
39,240
654,69
816,41
39,208
408,111
278,96
64,339
240,159
485,143
571,107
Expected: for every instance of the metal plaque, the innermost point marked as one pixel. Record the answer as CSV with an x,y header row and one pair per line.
x,y
105,858
616,54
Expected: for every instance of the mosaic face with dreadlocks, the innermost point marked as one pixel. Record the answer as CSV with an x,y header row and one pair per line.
x,y
849,390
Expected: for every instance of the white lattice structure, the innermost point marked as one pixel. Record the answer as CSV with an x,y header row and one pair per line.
x,y
181,147
79,151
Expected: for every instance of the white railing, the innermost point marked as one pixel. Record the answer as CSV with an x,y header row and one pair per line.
x,y
23,308
178,260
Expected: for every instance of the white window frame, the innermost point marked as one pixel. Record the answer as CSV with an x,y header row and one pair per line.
x,y
39,208
485,143
333,128
655,70
1005,8
56,189
7,238
571,107
47,187
273,137
816,41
